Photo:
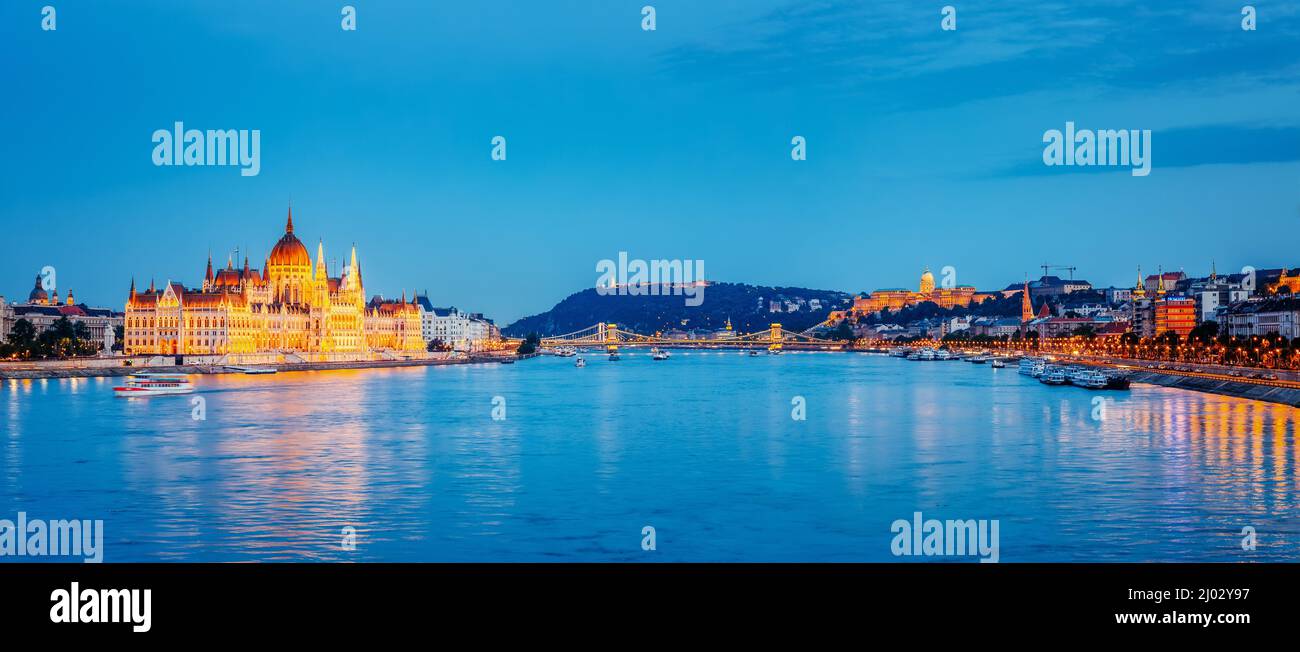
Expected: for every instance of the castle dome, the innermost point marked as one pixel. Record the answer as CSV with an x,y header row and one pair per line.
x,y
38,294
927,282
289,250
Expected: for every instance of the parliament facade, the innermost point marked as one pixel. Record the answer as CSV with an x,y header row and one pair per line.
x,y
288,306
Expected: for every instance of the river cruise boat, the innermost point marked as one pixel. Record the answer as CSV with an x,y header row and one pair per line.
x,y
944,354
1087,378
151,384
658,354
998,363
1032,367
923,355
1053,375
977,359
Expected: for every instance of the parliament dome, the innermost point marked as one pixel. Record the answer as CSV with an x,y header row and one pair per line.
x,y
289,250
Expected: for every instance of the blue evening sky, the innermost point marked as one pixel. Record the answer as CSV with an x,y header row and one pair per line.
x,y
924,146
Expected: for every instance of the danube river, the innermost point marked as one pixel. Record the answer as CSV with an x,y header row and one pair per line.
x,y
703,448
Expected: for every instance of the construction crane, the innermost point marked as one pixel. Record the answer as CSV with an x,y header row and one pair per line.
x,y
1047,266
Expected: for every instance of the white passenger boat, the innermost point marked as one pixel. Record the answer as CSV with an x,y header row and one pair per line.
x,y
580,363
944,354
1052,376
657,354
1032,367
154,384
1088,378
998,363
924,355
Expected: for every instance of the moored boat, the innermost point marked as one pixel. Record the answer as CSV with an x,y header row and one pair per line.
x,y
1116,379
1032,367
252,371
998,363
1087,378
1052,375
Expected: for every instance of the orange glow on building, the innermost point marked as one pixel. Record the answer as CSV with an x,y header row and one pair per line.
x,y
899,298
287,306
1177,314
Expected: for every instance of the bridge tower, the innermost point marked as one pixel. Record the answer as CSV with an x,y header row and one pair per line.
x,y
775,338
609,333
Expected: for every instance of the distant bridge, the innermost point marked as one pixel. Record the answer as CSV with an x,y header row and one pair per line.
x,y
612,338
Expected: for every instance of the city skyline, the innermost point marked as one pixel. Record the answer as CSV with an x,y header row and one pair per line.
x,y
674,143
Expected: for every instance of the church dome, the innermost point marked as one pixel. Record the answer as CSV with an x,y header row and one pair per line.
x,y
38,294
289,250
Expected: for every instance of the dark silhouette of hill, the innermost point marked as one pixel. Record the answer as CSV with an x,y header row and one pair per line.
x,y
748,307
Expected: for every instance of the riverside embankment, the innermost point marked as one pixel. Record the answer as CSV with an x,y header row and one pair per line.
x,y
1272,392
38,370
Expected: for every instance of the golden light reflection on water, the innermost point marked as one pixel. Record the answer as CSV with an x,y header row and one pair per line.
x,y
1238,446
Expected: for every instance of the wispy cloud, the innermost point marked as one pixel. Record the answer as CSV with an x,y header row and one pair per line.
x,y
896,54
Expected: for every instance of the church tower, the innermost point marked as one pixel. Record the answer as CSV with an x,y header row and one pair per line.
x,y
1026,305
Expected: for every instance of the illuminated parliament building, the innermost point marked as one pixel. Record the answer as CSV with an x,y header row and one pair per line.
x,y
288,306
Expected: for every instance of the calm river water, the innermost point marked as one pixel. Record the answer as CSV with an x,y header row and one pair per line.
x,y
702,447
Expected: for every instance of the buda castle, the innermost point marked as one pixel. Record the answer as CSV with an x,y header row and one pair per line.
x,y
287,306
899,298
